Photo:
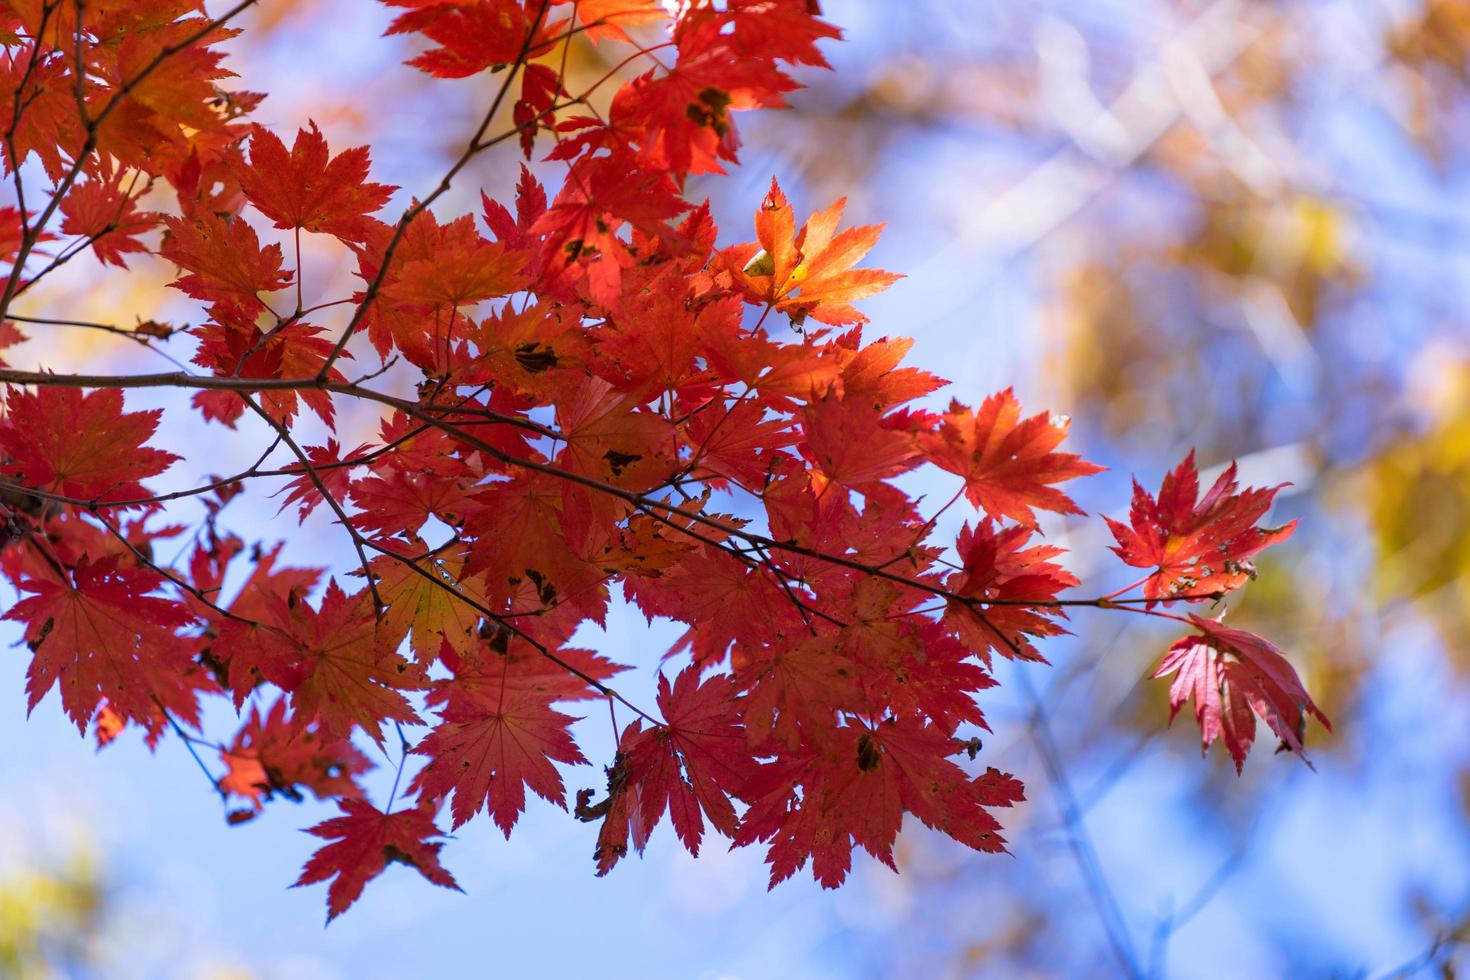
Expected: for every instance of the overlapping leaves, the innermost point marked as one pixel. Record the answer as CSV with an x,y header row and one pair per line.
x,y
598,395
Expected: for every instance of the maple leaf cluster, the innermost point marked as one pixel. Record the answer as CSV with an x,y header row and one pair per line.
x,y
604,400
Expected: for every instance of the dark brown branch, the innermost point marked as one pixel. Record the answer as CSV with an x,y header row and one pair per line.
x,y
661,511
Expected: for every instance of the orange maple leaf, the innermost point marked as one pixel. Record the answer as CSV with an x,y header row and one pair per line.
x,y
605,19
808,273
422,600
451,264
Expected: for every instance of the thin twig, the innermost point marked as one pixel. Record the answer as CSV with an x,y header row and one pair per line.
x,y
1104,902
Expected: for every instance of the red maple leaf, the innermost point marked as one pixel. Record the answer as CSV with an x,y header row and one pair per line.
x,y
350,676
778,371
331,469
1234,675
534,353
422,477
1007,462
855,794
515,232
12,230
270,756
1199,548
794,692
433,271
105,212
490,745
681,117
602,194
854,443
519,531
1000,575
231,345
365,840
471,35
224,260
740,443
690,767
255,645
307,188
782,29
612,438
103,635
80,444
653,344
702,728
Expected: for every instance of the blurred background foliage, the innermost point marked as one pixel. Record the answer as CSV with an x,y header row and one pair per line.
x,y
47,918
1233,225
66,915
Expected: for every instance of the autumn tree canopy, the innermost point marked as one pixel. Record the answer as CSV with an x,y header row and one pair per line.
x,y
586,392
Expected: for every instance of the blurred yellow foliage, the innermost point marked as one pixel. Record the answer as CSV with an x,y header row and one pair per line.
x,y
1104,347
62,916
1417,494
1296,243
48,917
